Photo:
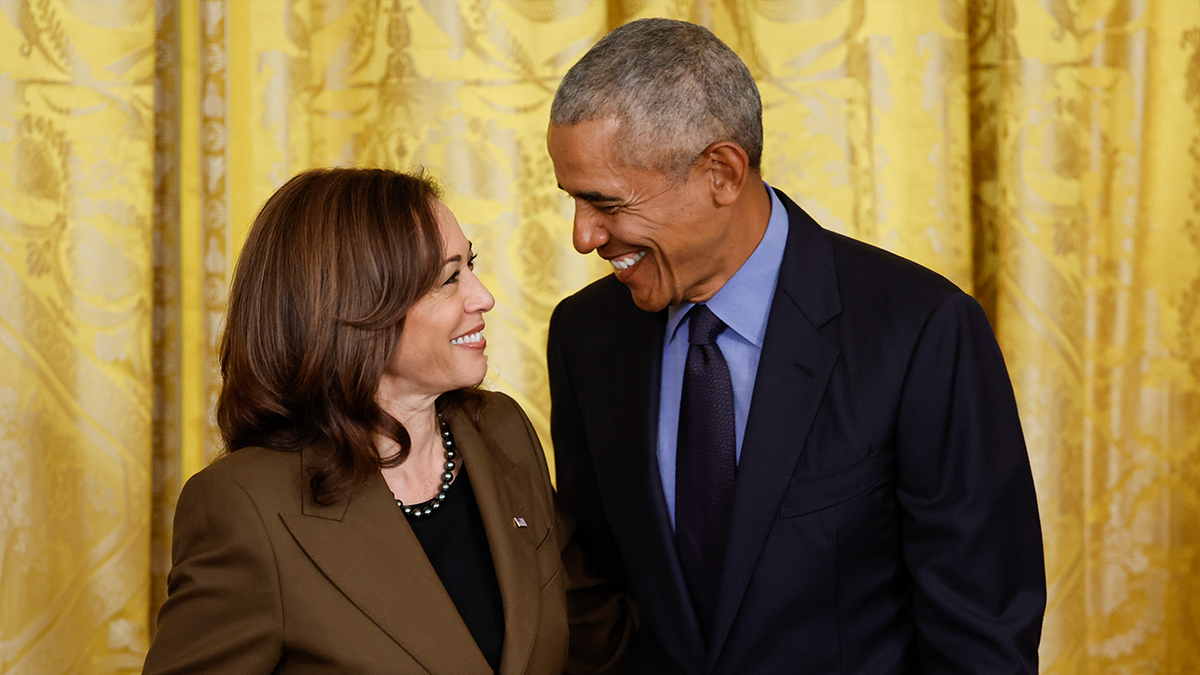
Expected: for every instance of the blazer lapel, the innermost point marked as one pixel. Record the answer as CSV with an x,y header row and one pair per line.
x,y
502,498
793,372
366,548
630,479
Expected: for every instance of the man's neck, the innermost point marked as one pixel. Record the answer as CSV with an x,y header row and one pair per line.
x,y
747,223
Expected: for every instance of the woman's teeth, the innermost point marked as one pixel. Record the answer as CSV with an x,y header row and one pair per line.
x,y
467,339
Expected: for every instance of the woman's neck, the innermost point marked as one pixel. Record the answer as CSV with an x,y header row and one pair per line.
x,y
418,477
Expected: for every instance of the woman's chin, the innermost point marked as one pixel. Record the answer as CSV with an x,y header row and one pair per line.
x,y
475,378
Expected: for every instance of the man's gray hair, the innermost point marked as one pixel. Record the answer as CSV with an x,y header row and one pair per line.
x,y
674,88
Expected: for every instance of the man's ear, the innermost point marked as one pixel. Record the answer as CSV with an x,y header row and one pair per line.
x,y
729,167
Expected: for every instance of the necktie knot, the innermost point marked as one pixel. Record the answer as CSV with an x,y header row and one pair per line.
x,y
703,326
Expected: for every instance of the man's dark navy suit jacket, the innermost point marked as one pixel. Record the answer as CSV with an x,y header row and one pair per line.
x,y
884,519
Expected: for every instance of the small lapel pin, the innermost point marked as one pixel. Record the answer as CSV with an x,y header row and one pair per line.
x,y
520,522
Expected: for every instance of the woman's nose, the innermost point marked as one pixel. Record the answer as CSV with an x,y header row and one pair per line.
x,y
480,299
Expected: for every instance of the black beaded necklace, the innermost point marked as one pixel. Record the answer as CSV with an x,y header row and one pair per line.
x,y
426,509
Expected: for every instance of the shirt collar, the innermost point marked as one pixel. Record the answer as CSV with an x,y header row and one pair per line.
x,y
744,302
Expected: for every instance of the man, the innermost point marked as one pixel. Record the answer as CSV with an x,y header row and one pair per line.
x,y
836,482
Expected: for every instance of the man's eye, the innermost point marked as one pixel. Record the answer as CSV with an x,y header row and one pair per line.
x,y
607,209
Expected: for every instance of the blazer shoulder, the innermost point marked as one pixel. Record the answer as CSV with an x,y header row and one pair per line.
x,y
827,274
266,476
863,264
250,461
598,322
503,420
500,411
605,297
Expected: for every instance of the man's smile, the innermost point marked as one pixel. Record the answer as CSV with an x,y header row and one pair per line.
x,y
627,261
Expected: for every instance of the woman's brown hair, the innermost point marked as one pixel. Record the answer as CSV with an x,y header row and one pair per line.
x,y
333,262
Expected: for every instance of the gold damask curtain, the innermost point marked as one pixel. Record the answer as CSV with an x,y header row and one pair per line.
x,y
1043,154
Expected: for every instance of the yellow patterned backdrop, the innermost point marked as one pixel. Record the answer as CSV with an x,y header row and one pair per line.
x,y
1044,154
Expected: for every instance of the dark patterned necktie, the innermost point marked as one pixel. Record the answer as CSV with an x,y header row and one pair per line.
x,y
705,464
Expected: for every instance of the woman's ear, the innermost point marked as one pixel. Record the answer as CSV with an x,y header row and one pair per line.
x,y
729,167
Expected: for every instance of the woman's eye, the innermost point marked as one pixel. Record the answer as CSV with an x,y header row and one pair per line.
x,y
471,261
452,280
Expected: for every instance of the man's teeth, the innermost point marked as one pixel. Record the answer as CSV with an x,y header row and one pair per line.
x,y
627,261
467,339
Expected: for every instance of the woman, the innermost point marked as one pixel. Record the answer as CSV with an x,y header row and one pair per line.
x,y
375,512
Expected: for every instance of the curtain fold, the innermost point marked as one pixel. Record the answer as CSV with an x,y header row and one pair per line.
x,y
77,118
1042,154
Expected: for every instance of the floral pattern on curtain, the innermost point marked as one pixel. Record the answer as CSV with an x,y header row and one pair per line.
x,y
1042,154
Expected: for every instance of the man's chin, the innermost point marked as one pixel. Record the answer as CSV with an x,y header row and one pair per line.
x,y
648,302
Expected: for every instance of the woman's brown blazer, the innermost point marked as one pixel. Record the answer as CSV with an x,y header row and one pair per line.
x,y
267,581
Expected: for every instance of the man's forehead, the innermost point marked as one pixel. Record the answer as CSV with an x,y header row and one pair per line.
x,y
589,163
585,137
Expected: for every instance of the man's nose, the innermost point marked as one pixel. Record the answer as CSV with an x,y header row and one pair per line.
x,y
589,232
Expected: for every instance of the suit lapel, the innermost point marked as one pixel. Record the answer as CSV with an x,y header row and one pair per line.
x,y
366,548
501,498
630,478
793,372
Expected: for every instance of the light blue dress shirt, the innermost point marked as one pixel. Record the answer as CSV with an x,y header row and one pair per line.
x,y
743,303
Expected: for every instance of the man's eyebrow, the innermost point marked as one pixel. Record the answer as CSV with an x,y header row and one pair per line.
x,y
591,197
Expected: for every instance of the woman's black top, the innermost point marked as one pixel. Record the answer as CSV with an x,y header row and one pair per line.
x,y
455,542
